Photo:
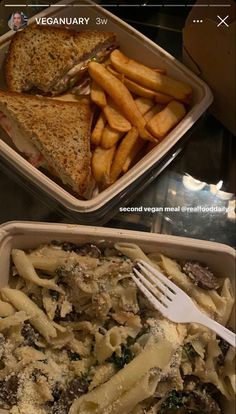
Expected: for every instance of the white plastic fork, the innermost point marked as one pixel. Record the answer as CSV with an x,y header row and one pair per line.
x,y
173,302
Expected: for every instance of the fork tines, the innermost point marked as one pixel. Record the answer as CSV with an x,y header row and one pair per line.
x,y
152,299
159,292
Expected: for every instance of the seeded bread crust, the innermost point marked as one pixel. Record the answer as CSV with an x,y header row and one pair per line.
x,y
38,56
60,130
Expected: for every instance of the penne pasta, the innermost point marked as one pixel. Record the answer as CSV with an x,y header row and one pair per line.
x,y
13,320
138,393
6,309
27,271
99,400
37,317
100,341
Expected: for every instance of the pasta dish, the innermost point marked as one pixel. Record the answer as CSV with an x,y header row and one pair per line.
x,y
78,337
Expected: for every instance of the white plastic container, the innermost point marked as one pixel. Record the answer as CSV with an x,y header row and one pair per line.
x,y
139,47
24,235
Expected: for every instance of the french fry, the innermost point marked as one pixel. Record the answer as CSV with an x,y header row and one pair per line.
x,y
96,135
153,111
121,96
125,148
140,142
114,117
165,120
98,95
139,90
110,137
149,78
144,105
132,86
138,146
142,90
162,98
101,165
113,71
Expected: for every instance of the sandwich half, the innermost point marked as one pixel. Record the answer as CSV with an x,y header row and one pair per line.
x,y
52,60
52,134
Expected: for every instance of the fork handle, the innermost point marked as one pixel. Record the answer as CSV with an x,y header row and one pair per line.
x,y
223,332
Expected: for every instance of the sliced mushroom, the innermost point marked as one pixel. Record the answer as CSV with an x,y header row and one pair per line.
x,y
194,399
90,250
75,389
67,246
83,250
201,275
224,347
8,391
191,382
204,403
29,334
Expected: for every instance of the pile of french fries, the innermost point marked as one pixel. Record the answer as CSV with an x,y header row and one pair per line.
x,y
138,107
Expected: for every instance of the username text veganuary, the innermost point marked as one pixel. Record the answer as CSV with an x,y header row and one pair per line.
x,y
62,20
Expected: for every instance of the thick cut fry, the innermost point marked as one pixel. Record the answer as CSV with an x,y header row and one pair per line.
x,y
114,117
162,98
114,72
149,78
110,137
144,105
121,96
132,86
138,146
141,90
101,165
153,111
125,148
98,95
96,135
165,120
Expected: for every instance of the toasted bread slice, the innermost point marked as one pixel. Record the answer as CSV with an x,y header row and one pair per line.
x,y
40,57
60,131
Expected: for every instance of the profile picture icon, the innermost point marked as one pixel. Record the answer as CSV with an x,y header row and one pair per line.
x,y
17,21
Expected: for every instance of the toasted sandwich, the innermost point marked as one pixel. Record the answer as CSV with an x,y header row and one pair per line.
x,y
51,134
51,60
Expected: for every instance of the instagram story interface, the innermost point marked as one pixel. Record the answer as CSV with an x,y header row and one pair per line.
x,y
117,207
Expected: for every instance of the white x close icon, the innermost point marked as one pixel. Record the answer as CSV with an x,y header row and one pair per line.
x,y
222,21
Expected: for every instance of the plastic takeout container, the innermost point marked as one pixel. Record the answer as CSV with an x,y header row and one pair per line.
x,y
25,235
139,47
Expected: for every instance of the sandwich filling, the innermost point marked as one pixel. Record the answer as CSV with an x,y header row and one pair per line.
x,y
21,142
70,79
